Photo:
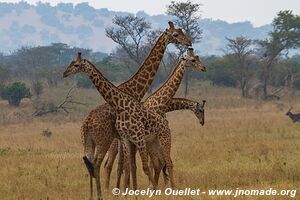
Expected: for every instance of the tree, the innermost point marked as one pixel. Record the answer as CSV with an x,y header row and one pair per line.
x,y
113,70
53,75
4,76
15,92
285,36
130,33
289,74
240,51
219,72
83,81
37,87
187,17
27,61
46,108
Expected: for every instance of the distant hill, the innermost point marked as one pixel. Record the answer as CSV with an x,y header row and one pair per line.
x,y
81,25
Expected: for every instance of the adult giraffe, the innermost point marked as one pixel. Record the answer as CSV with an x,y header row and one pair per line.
x,y
100,122
134,124
160,102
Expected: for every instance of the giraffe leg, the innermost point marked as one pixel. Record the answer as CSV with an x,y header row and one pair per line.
x,y
98,185
166,148
91,187
144,157
166,179
112,153
156,167
132,161
120,164
126,167
170,171
126,180
97,163
156,156
137,137
151,166
89,149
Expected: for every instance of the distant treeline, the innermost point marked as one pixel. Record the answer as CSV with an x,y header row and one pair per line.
x,y
41,62
259,68
46,63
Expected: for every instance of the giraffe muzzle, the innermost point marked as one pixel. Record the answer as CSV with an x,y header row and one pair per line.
x,y
66,74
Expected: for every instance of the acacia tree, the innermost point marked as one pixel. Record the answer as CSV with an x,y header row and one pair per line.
x,y
240,51
187,16
286,73
285,36
130,33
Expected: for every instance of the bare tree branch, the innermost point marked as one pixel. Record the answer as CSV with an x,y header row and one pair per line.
x,y
63,105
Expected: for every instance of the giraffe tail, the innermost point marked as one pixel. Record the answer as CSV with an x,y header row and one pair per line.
x,y
89,149
165,172
89,166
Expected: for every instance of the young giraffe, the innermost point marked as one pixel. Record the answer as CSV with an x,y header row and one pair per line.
x,y
98,129
135,124
175,104
159,103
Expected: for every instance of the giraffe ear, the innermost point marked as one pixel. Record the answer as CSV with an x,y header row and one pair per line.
x,y
171,25
190,52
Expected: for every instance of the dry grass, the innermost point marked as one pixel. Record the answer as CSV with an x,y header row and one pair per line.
x,y
244,143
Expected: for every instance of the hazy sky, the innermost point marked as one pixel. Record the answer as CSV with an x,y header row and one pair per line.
x,y
259,12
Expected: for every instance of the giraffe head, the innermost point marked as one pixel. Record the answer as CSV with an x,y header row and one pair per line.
x,y
199,112
76,66
193,61
177,36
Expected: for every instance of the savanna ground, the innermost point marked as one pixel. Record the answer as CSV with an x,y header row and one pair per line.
x,y
245,144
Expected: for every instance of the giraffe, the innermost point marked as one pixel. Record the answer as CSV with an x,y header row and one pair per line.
x,y
174,104
186,104
139,83
182,104
135,124
159,103
98,128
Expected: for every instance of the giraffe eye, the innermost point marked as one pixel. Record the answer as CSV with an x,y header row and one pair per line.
x,y
76,65
193,60
175,34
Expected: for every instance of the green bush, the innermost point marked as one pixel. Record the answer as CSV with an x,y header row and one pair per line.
x,y
15,92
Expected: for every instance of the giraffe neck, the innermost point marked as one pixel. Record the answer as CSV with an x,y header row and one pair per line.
x,y
140,82
109,91
167,91
181,104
